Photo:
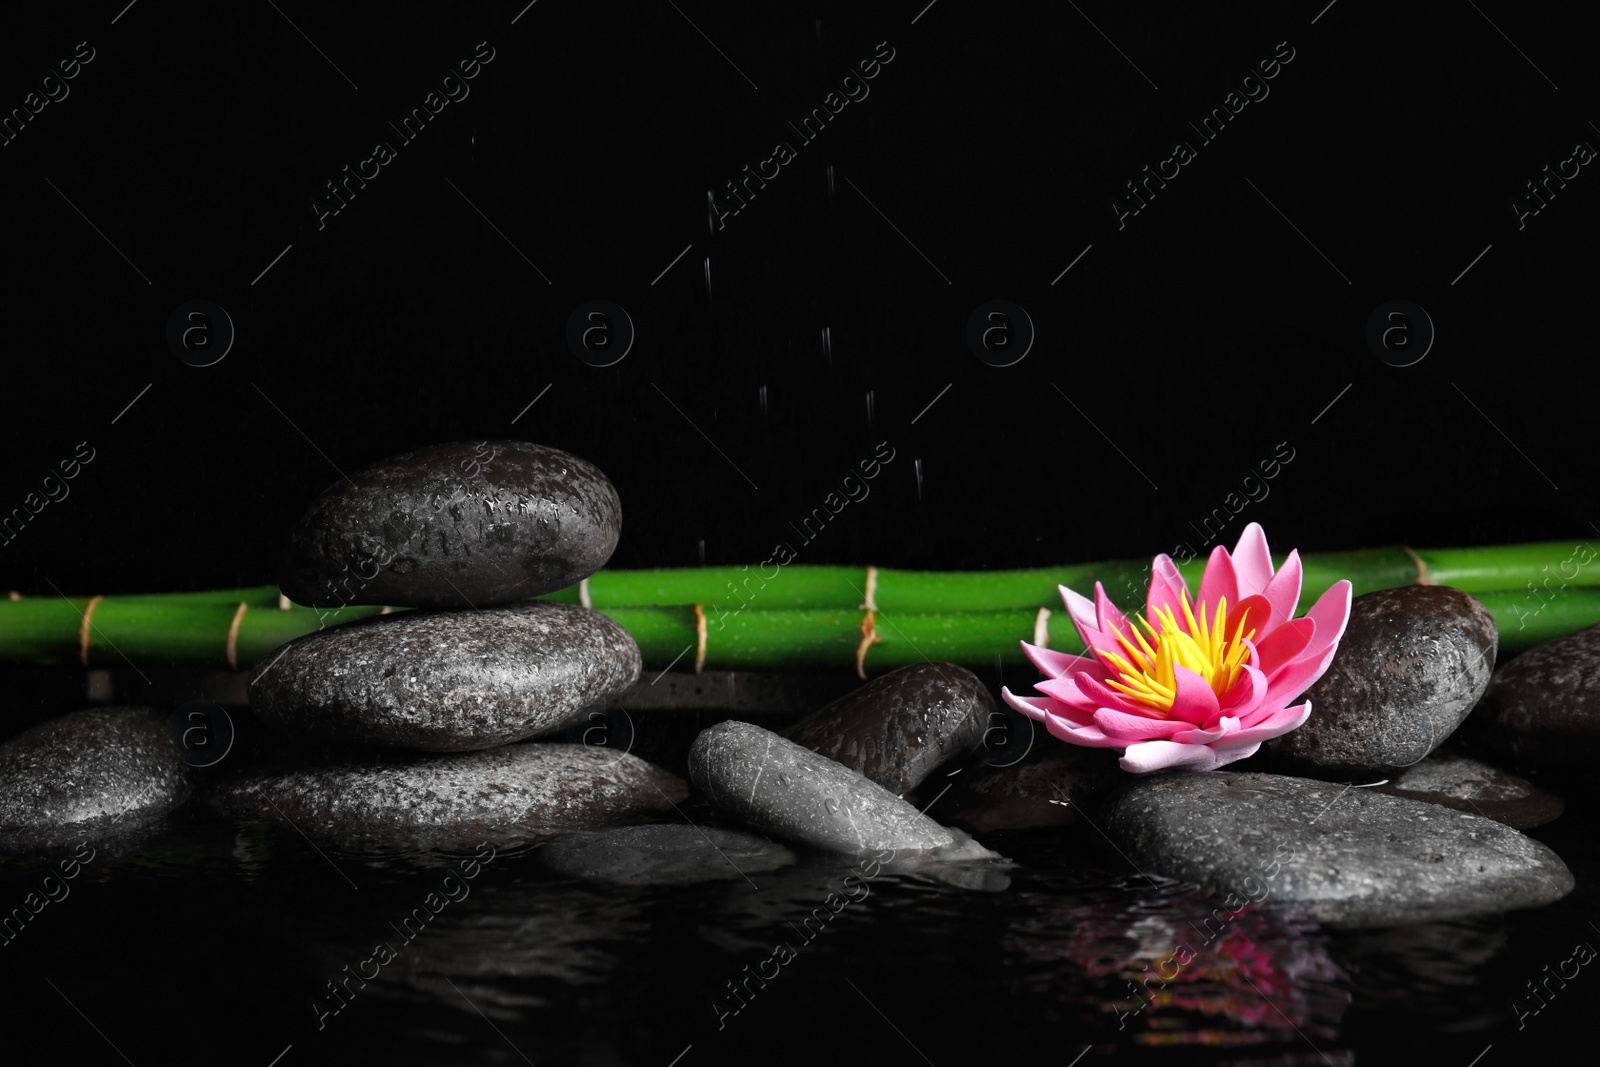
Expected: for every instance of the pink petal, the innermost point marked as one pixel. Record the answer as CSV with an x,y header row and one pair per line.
x,y
1150,756
1166,582
1079,607
1107,614
1032,707
1195,702
1274,725
1252,563
1106,697
1256,610
1067,691
1246,693
1283,645
1053,664
1226,754
1218,581
1331,612
1225,726
1134,728
1284,589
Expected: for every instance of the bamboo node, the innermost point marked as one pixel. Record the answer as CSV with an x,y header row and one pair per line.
x,y
13,596
283,602
1041,628
386,609
870,603
233,635
83,628
583,593
1423,577
869,637
699,639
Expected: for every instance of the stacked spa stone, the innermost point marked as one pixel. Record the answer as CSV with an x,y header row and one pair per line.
x,y
445,697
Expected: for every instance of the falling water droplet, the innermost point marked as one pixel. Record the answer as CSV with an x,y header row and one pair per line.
x,y
708,280
999,672
869,409
918,465
702,551
763,402
819,33
827,344
830,184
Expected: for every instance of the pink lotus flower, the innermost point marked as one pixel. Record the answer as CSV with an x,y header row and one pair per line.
x,y
1202,685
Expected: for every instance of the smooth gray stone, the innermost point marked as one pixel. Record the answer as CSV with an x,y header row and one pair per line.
x,y
458,525
664,854
1048,788
1346,857
1412,663
1542,709
900,727
787,790
1456,780
88,775
503,796
447,681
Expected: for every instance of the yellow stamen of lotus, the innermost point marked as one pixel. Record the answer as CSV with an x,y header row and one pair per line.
x,y
1149,672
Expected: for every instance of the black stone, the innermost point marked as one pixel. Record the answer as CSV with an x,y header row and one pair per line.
x,y
1542,709
900,727
1048,788
508,795
456,525
785,789
447,681
1344,856
1412,663
87,776
1456,780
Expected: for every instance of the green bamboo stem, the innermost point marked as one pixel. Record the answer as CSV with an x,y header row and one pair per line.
x,y
141,631
813,587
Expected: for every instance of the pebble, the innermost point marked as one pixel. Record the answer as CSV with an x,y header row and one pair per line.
x,y
447,681
1456,780
516,793
902,726
1412,663
1542,709
1343,856
785,789
1048,788
88,775
664,854
458,525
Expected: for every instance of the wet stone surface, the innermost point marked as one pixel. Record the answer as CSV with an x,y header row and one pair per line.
x,y
664,854
88,775
506,795
458,525
1456,780
898,728
784,789
447,681
1343,856
1542,709
1411,665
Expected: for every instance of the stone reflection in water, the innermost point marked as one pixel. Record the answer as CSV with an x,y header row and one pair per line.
x,y
1176,968
1439,969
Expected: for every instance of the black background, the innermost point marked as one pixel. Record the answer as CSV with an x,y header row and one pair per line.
x,y
1195,339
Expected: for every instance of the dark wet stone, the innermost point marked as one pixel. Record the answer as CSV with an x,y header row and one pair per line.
x,y
1542,709
87,776
447,681
664,854
1344,856
898,728
1412,663
515,793
787,790
465,524
1456,780
1048,788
